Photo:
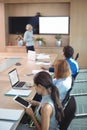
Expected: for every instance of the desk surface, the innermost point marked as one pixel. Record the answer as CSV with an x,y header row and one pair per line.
x,y
26,67
7,101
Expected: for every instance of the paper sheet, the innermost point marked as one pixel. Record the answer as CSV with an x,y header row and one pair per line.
x,y
10,114
13,92
5,125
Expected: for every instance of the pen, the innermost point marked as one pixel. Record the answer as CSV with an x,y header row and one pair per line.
x,y
29,74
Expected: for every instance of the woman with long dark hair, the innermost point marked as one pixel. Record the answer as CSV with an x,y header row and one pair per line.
x,y
50,110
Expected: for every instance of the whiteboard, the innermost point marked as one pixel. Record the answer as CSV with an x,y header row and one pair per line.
x,y
54,25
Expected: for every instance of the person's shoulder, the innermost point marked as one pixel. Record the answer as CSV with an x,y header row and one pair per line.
x,y
54,81
46,107
74,61
68,79
71,59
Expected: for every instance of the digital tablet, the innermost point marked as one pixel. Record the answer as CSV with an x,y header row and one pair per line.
x,y
22,101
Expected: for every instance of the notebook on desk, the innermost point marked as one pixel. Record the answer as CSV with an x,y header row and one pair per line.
x,y
15,81
9,118
6,125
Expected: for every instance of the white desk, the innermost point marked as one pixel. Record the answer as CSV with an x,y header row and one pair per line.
x,y
26,67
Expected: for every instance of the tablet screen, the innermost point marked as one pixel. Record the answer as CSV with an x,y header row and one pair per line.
x,y
22,101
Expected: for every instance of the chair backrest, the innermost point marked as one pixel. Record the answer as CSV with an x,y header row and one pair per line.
x,y
65,100
69,113
75,75
77,56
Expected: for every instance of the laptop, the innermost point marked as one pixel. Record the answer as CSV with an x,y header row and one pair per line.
x,y
14,80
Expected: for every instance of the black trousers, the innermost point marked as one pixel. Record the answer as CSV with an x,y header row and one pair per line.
x,y
30,48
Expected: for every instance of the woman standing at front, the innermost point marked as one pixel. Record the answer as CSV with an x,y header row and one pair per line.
x,y
28,38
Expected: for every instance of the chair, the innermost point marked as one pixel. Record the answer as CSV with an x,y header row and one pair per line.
x,y
77,56
75,75
65,100
69,112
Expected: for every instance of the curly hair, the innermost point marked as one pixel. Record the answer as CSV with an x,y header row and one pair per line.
x,y
68,51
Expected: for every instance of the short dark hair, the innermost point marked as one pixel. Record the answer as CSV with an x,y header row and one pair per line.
x,y
68,51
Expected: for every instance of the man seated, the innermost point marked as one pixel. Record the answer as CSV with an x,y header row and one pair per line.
x,y
68,52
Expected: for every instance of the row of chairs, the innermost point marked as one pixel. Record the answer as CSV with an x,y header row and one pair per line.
x,y
75,110
69,113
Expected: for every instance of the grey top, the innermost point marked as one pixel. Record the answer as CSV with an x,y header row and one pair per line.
x,y
28,38
53,121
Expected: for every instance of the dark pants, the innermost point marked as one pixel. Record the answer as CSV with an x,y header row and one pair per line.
x,y
30,48
51,69
38,98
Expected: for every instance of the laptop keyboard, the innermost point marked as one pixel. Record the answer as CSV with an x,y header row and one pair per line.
x,y
20,84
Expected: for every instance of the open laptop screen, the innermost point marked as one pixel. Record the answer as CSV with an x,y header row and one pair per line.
x,y
13,77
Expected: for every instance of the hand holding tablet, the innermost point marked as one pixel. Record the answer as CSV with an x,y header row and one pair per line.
x,y
22,101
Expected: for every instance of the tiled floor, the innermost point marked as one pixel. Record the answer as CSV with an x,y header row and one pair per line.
x,y
80,123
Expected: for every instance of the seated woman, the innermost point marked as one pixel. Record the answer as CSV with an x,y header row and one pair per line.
x,y
50,110
63,79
